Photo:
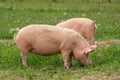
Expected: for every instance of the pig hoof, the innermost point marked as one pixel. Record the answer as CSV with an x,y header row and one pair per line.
x,y
71,65
67,68
25,66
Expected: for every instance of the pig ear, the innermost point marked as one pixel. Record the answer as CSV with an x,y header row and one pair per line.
x,y
88,50
92,48
17,29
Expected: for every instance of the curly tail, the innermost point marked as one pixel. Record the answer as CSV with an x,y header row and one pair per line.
x,y
16,32
94,24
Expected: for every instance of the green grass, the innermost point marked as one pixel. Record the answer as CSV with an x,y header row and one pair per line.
x,y
19,13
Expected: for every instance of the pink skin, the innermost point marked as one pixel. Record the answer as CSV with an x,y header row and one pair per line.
x,y
47,40
84,26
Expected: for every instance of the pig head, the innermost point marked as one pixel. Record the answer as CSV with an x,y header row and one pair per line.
x,y
83,55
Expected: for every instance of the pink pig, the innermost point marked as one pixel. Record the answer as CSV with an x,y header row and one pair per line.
x,y
48,40
84,26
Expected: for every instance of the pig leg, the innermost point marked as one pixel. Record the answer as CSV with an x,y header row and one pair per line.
x,y
91,40
24,56
66,59
70,60
91,35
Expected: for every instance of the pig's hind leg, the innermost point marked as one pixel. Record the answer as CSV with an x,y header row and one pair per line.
x,y
91,40
24,57
24,49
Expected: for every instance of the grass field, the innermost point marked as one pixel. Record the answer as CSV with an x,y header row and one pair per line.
x,y
19,13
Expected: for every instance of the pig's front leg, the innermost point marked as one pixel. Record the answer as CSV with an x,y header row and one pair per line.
x,y
70,59
66,59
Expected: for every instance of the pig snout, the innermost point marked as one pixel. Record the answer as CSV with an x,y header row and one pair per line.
x,y
87,63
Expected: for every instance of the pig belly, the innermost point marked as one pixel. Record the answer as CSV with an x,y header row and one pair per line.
x,y
45,48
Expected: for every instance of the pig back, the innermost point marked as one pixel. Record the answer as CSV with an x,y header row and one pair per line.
x,y
84,26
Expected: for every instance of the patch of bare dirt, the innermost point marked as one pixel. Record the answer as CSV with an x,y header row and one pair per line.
x,y
95,77
99,43
107,43
6,41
